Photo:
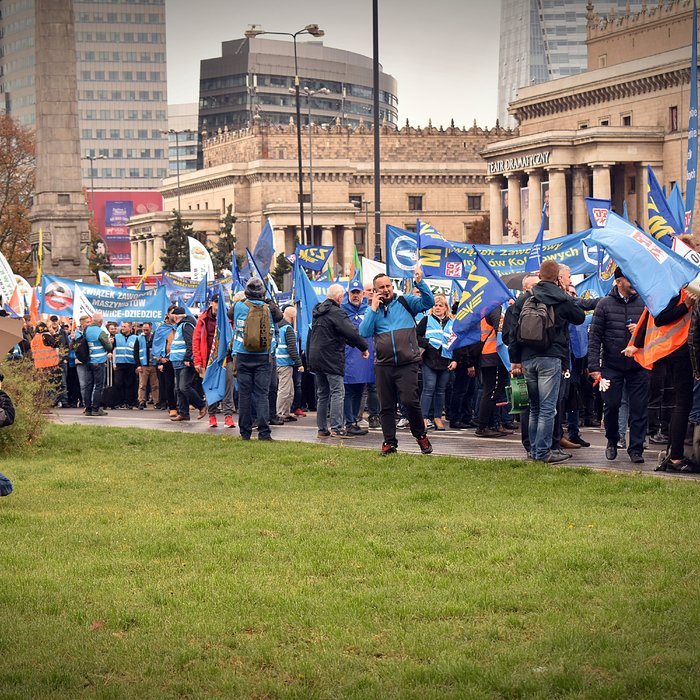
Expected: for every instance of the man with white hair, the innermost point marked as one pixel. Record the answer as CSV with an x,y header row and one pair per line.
x,y
330,331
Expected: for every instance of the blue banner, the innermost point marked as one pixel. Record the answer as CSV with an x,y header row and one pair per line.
x,y
313,257
692,166
402,253
182,288
598,210
115,303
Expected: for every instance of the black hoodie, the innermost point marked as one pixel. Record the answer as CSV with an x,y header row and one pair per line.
x,y
330,330
566,311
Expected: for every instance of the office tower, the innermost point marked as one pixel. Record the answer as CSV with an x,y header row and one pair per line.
x,y
542,40
254,77
122,94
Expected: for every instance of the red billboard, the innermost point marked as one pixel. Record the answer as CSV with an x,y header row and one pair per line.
x,y
113,209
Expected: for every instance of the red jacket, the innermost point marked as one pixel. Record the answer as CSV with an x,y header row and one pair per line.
x,y
203,338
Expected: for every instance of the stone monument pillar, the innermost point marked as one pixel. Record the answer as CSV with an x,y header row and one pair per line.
x,y
59,208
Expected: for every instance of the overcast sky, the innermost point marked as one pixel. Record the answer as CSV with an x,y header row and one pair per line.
x,y
443,53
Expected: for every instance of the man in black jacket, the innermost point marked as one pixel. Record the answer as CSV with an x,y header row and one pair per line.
x,y
330,330
614,321
543,367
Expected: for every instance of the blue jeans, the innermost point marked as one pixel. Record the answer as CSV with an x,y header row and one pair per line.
x,y
543,376
185,392
330,389
92,382
253,372
434,383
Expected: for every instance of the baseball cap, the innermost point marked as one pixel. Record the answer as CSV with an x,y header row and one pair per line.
x,y
53,318
179,311
355,286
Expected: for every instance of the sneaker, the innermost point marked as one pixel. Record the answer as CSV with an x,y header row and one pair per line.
x,y
212,422
354,430
487,433
142,405
425,447
636,458
659,439
402,423
387,449
374,423
363,424
228,422
430,425
622,444
323,433
290,419
341,433
555,457
266,438
579,441
276,420
457,425
299,412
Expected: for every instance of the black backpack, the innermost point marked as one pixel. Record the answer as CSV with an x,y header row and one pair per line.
x,y
81,348
536,324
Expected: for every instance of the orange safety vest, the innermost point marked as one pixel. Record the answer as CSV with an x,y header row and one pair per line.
x,y
488,338
43,356
660,341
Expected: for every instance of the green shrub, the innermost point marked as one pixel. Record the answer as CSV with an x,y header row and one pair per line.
x,y
27,387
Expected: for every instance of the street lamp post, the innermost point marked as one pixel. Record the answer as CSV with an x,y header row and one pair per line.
x,y
309,94
177,155
92,180
312,29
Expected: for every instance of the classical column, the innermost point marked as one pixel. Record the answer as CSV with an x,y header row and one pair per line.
x,y
348,248
149,254
134,257
579,192
513,202
142,256
327,240
496,213
557,203
601,180
642,184
158,245
280,243
534,188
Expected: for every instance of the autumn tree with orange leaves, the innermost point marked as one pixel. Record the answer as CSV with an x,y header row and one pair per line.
x,y
17,166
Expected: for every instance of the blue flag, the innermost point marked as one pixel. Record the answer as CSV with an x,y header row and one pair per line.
x,y
437,255
483,292
676,203
692,166
305,298
598,211
534,257
662,223
264,250
313,257
200,295
214,382
656,272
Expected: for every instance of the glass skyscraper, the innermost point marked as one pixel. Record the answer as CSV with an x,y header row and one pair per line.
x,y
122,89
542,40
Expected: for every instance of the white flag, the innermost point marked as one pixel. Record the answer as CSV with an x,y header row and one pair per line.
x,y
7,280
81,305
105,279
200,260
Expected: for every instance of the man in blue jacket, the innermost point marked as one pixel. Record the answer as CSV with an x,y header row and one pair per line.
x,y
391,321
359,371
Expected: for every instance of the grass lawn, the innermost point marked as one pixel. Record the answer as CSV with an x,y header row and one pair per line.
x,y
145,564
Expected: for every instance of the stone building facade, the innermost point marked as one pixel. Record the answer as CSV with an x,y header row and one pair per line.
x,y
595,133
430,173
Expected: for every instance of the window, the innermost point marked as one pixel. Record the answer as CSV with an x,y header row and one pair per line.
x,y
603,61
410,227
100,133
132,114
158,153
127,75
117,153
86,134
99,75
583,125
85,75
103,152
128,133
473,202
143,133
162,172
131,153
141,75
145,153
88,94
626,120
116,94
415,203
120,172
114,134
133,172
106,172
113,75
673,118
605,121
64,199
356,199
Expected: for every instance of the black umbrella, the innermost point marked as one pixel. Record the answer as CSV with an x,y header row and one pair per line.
x,y
515,281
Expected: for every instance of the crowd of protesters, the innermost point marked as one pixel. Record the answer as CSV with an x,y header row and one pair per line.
x,y
376,353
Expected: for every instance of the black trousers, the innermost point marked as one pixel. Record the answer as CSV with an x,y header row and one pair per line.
x,y
167,386
398,384
493,380
637,383
126,384
680,373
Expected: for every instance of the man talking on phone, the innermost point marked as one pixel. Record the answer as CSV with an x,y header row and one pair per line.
x,y
390,320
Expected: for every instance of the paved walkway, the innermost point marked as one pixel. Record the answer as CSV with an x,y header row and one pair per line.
x,y
460,443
